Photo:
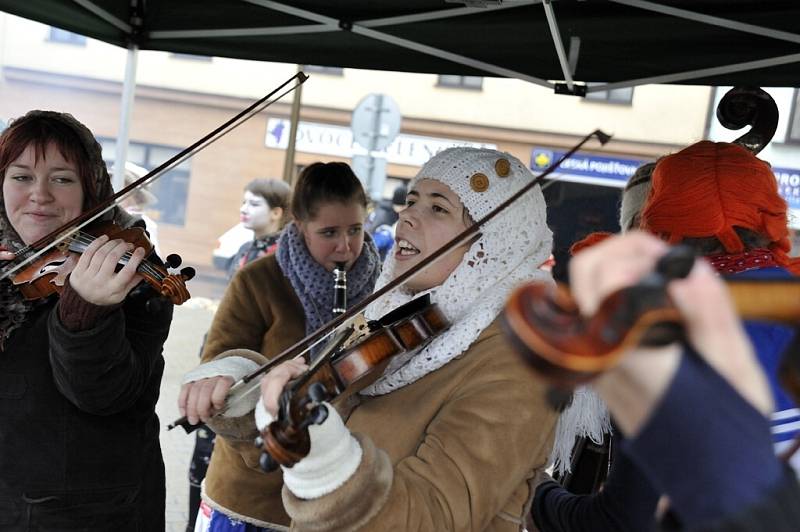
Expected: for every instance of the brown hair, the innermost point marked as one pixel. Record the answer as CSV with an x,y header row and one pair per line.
x,y
276,193
39,131
325,183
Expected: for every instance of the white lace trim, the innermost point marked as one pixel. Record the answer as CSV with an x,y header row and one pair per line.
x,y
586,416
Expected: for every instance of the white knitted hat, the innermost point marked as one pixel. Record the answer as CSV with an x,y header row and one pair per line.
x,y
481,178
510,249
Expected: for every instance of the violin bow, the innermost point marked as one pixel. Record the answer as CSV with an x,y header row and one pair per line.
x,y
304,344
57,236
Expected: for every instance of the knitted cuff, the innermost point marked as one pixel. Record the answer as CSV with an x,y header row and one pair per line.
x,y
263,418
77,314
334,457
234,366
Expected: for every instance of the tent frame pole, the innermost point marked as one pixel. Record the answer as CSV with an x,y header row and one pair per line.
x,y
288,158
711,20
559,44
126,106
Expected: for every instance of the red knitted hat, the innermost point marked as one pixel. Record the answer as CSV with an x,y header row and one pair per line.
x,y
709,188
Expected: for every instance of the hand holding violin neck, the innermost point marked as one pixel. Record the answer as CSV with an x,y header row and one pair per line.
x,y
286,440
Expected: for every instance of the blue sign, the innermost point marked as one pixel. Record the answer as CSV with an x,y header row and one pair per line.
x,y
586,168
789,185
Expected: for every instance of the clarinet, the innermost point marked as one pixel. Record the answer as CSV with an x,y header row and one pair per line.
x,y
339,289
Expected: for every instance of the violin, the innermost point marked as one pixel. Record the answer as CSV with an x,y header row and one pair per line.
x,y
341,372
47,274
568,349
753,106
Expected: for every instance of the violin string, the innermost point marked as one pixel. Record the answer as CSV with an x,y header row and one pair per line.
x,y
200,145
86,239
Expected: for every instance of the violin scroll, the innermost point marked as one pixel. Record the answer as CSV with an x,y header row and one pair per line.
x,y
568,349
286,443
743,106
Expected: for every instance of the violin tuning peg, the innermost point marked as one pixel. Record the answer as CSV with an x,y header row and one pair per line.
x,y
174,260
319,414
676,263
267,463
188,272
317,392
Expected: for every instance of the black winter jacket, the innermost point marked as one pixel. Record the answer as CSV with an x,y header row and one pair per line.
x,y
79,445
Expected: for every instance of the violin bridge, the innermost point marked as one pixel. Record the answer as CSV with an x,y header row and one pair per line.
x,y
360,329
65,239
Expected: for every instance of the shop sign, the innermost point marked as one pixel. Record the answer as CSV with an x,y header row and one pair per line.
x,y
789,185
586,168
325,139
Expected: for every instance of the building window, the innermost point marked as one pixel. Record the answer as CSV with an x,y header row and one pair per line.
x,y
328,71
66,37
190,57
621,96
793,134
460,82
171,189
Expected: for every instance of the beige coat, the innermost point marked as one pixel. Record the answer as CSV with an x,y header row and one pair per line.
x,y
452,451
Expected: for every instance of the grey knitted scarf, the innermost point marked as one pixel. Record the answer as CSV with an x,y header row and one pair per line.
x,y
313,284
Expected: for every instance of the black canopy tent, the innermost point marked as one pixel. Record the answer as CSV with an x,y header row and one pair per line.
x,y
559,44
624,42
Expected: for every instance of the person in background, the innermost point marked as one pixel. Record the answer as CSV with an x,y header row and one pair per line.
x,y
381,221
270,304
265,211
79,373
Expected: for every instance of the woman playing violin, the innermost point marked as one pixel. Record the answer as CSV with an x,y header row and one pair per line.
x,y
79,373
270,304
448,436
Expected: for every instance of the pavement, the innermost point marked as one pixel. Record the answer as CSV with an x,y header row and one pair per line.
x,y
190,322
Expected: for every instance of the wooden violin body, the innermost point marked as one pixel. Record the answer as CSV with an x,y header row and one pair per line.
x,y
346,371
47,274
567,348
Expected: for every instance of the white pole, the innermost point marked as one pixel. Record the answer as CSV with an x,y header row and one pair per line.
x,y
126,105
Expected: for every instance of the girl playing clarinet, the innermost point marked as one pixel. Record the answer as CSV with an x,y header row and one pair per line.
x,y
270,304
